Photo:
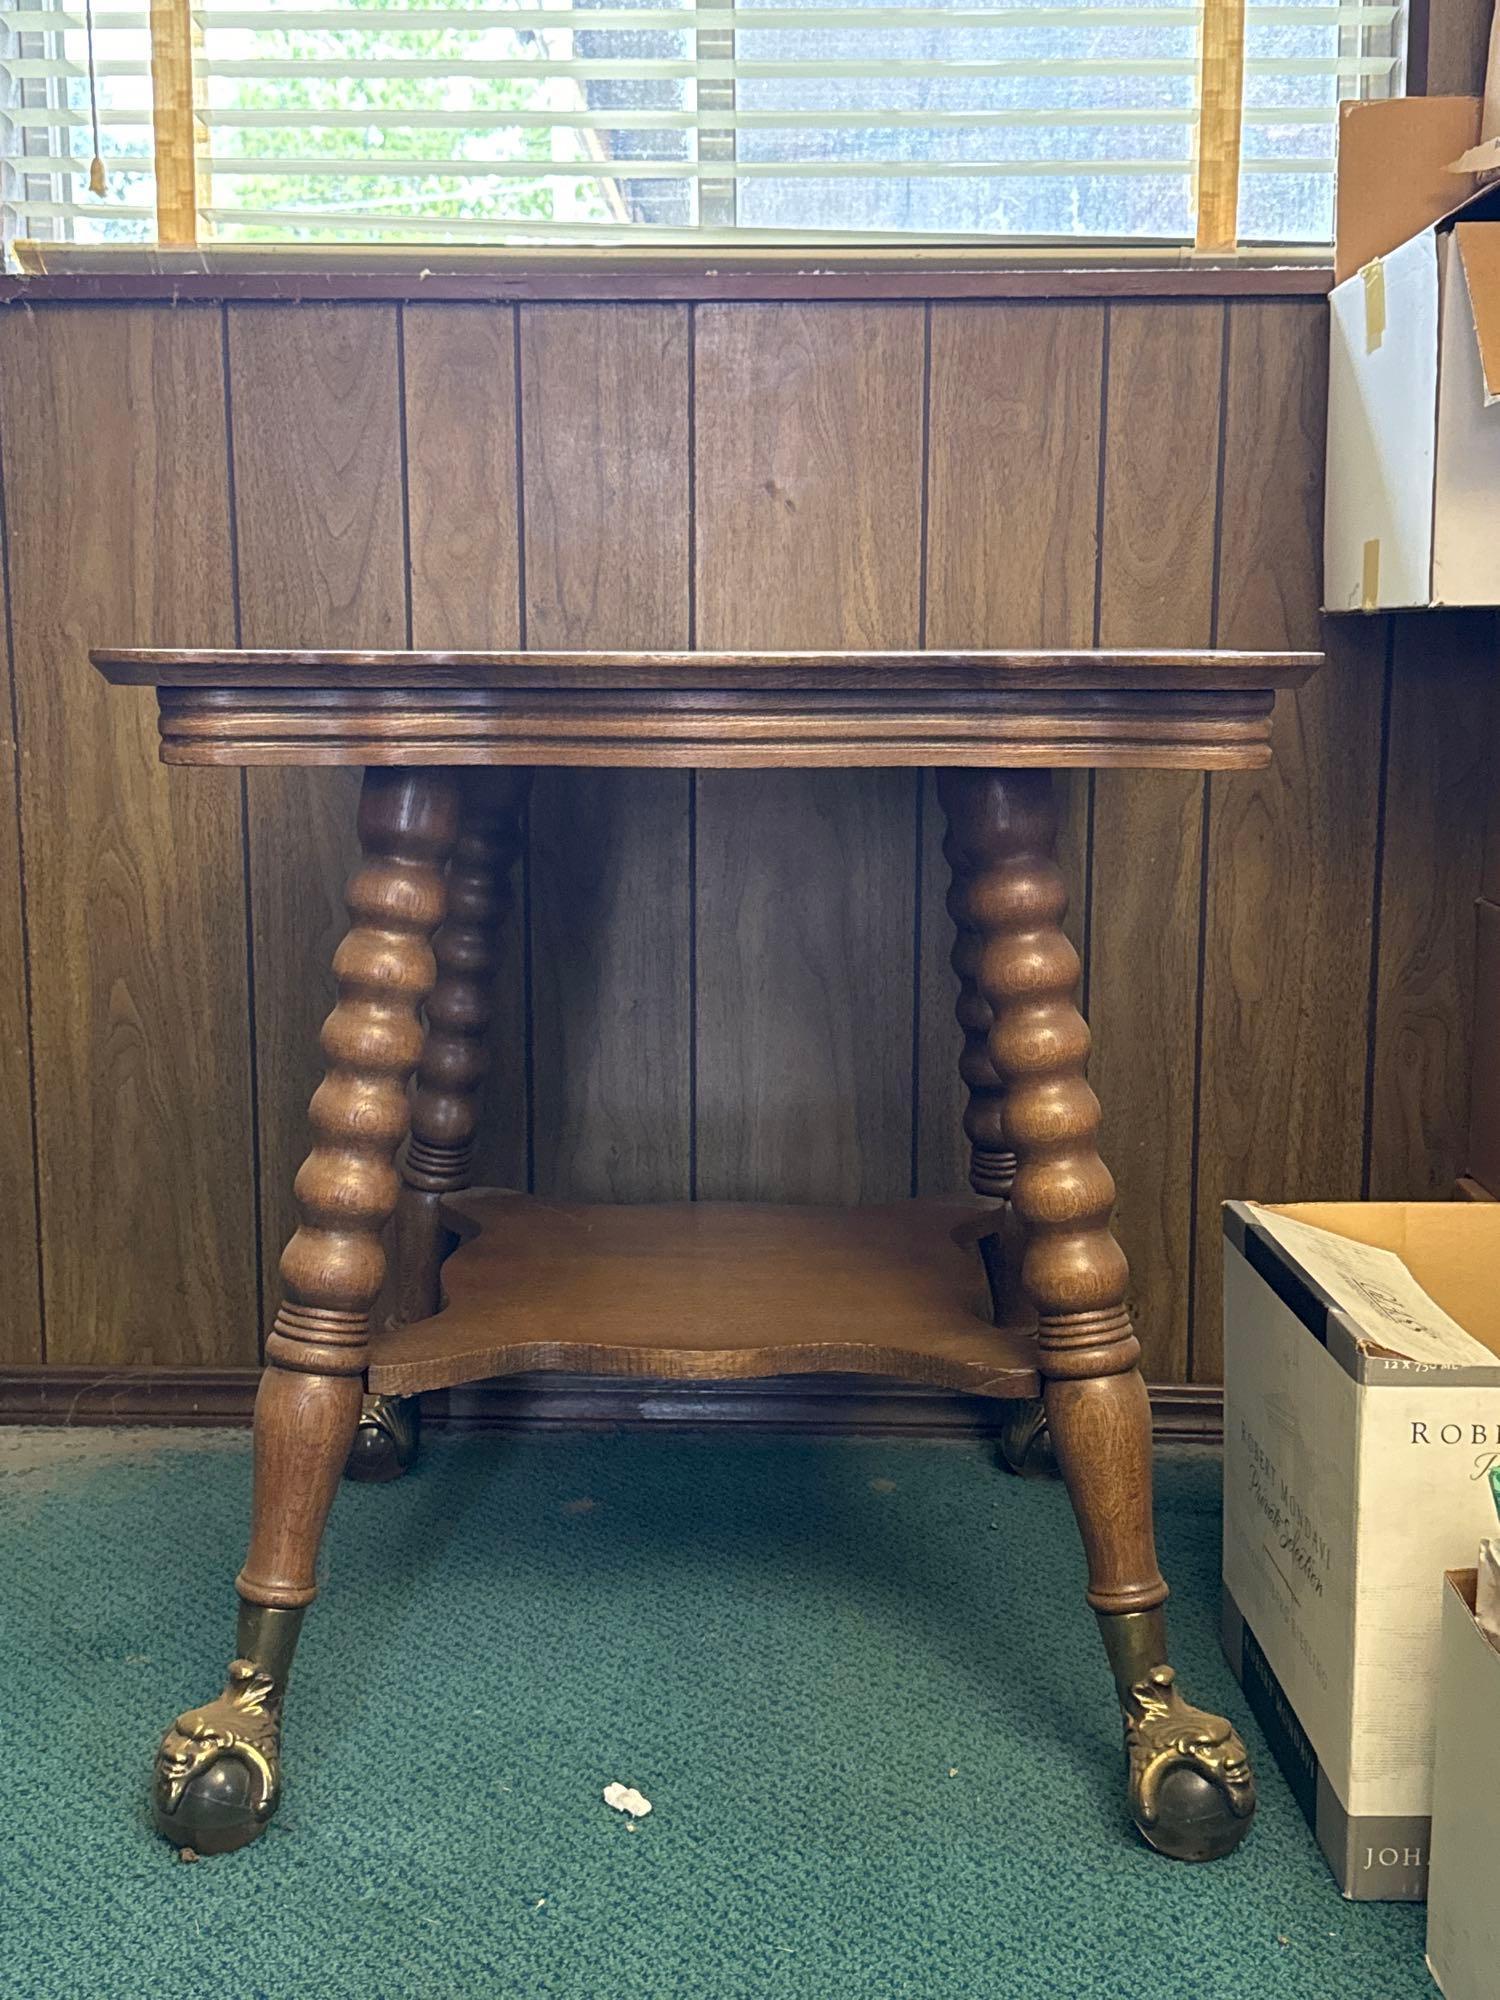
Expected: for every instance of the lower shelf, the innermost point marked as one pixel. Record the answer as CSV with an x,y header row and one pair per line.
x,y
703,1291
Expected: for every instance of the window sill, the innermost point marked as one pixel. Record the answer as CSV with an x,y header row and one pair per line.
x,y
74,274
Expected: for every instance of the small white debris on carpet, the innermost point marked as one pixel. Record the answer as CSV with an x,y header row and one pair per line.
x,y
626,1800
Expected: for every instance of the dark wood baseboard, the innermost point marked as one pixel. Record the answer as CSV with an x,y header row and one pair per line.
x,y
821,1406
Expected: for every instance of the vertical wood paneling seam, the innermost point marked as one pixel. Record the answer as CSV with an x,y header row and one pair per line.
x,y
22,910
1377,893
917,857
247,892
234,522
692,480
528,1001
1205,845
1086,927
528,956
1103,469
520,428
257,1221
403,448
1195,1142
1218,548
692,617
924,517
924,494
692,969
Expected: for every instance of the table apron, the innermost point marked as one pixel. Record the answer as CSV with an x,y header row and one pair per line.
x,y
1221,729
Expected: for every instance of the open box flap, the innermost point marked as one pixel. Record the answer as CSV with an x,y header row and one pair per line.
x,y
1479,247
1395,173
1451,1251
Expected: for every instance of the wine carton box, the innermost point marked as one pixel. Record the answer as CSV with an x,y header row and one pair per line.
x,y
1361,1417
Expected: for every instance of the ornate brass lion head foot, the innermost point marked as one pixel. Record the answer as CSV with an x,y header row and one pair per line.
x,y
1191,1793
218,1768
1191,1790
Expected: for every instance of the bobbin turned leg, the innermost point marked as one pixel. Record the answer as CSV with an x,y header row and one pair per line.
x,y
1189,1784
218,1768
1023,1445
439,1154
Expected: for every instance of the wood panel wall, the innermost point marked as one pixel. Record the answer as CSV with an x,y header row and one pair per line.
x,y
733,984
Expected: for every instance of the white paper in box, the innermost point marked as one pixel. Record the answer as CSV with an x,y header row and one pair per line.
x,y
1361,1419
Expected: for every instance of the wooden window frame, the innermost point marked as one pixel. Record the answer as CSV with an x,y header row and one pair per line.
x,y
180,142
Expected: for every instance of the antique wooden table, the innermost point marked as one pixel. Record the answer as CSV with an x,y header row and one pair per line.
x,y
1018,1294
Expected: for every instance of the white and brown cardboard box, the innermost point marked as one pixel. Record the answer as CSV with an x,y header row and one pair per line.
x,y
1362,1415
1412,497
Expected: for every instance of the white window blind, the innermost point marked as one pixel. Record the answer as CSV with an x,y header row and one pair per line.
x,y
650,122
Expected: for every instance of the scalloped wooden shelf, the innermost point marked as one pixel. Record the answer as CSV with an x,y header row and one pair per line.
x,y
698,1291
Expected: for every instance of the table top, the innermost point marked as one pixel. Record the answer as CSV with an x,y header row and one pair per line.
x,y
1195,710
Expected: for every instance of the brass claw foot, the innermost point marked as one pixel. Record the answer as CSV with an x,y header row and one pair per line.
x,y
1192,1793
385,1444
217,1777
1191,1790
1024,1444
218,1768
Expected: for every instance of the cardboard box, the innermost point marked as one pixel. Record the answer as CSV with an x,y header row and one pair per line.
x,y
1396,161
1485,157
1362,1410
1484,1076
1412,499
1463,1903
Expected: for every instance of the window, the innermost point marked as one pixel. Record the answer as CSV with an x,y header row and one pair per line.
x,y
648,121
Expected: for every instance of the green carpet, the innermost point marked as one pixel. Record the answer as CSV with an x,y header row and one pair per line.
x,y
858,1682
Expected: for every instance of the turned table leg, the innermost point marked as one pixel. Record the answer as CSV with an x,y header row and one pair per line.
x,y
1190,1788
1022,1441
439,1157
217,1777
